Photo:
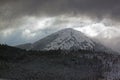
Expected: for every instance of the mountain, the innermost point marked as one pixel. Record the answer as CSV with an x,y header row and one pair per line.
x,y
66,39
25,46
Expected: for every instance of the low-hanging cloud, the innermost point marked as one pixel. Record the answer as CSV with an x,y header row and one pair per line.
x,y
12,11
23,21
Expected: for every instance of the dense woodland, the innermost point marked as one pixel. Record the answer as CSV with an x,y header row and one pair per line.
x,y
12,59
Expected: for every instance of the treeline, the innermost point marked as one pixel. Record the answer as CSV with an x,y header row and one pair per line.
x,y
9,53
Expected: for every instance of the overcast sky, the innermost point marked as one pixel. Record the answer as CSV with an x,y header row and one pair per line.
x,y
23,21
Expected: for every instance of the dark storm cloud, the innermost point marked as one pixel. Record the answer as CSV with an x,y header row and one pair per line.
x,y
11,11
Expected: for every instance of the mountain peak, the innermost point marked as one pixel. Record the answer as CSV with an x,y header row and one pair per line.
x,y
66,39
68,30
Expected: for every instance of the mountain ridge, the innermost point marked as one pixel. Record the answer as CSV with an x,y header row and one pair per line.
x,y
65,39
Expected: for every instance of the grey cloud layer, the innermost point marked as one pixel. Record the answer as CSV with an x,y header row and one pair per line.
x,y
13,10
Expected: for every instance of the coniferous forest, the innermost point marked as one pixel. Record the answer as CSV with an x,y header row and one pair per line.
x,y
18,64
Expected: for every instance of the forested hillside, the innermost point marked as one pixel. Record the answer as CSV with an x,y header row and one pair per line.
x,y
18,64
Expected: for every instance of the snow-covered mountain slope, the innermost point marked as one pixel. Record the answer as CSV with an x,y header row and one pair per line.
x,y
25,46
66,39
